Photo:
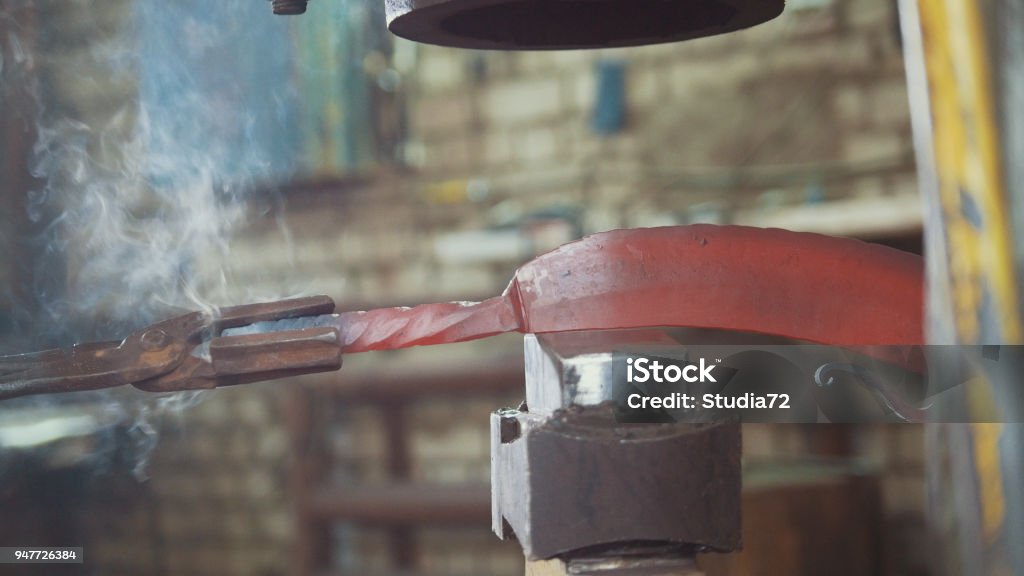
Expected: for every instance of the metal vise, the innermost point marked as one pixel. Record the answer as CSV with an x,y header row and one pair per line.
x,y
569,481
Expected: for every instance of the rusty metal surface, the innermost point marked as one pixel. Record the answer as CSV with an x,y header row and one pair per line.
x,y
182,353
577,479
808,287
568,24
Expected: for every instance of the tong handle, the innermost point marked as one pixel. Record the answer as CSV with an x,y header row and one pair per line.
x,y
90,366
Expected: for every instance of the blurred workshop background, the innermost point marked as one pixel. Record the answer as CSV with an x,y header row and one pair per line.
x,y
336,159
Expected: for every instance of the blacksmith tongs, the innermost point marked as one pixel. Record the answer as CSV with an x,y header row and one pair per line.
x,y
187,352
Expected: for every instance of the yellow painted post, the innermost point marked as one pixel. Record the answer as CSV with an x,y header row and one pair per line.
x,y
975,470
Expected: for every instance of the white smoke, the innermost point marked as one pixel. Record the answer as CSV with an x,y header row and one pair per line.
x,y
137,203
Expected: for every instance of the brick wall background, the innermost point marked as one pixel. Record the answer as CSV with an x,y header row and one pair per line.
x,y
800,123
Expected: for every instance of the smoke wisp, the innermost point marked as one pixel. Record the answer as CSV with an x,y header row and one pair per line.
x,y
153,121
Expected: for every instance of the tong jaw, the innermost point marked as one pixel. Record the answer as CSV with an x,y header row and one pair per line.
x,y
205,359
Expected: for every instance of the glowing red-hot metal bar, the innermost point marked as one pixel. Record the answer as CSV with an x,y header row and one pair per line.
x,y
803,286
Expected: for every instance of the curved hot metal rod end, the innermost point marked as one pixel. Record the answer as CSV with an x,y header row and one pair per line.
x,y
888,399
